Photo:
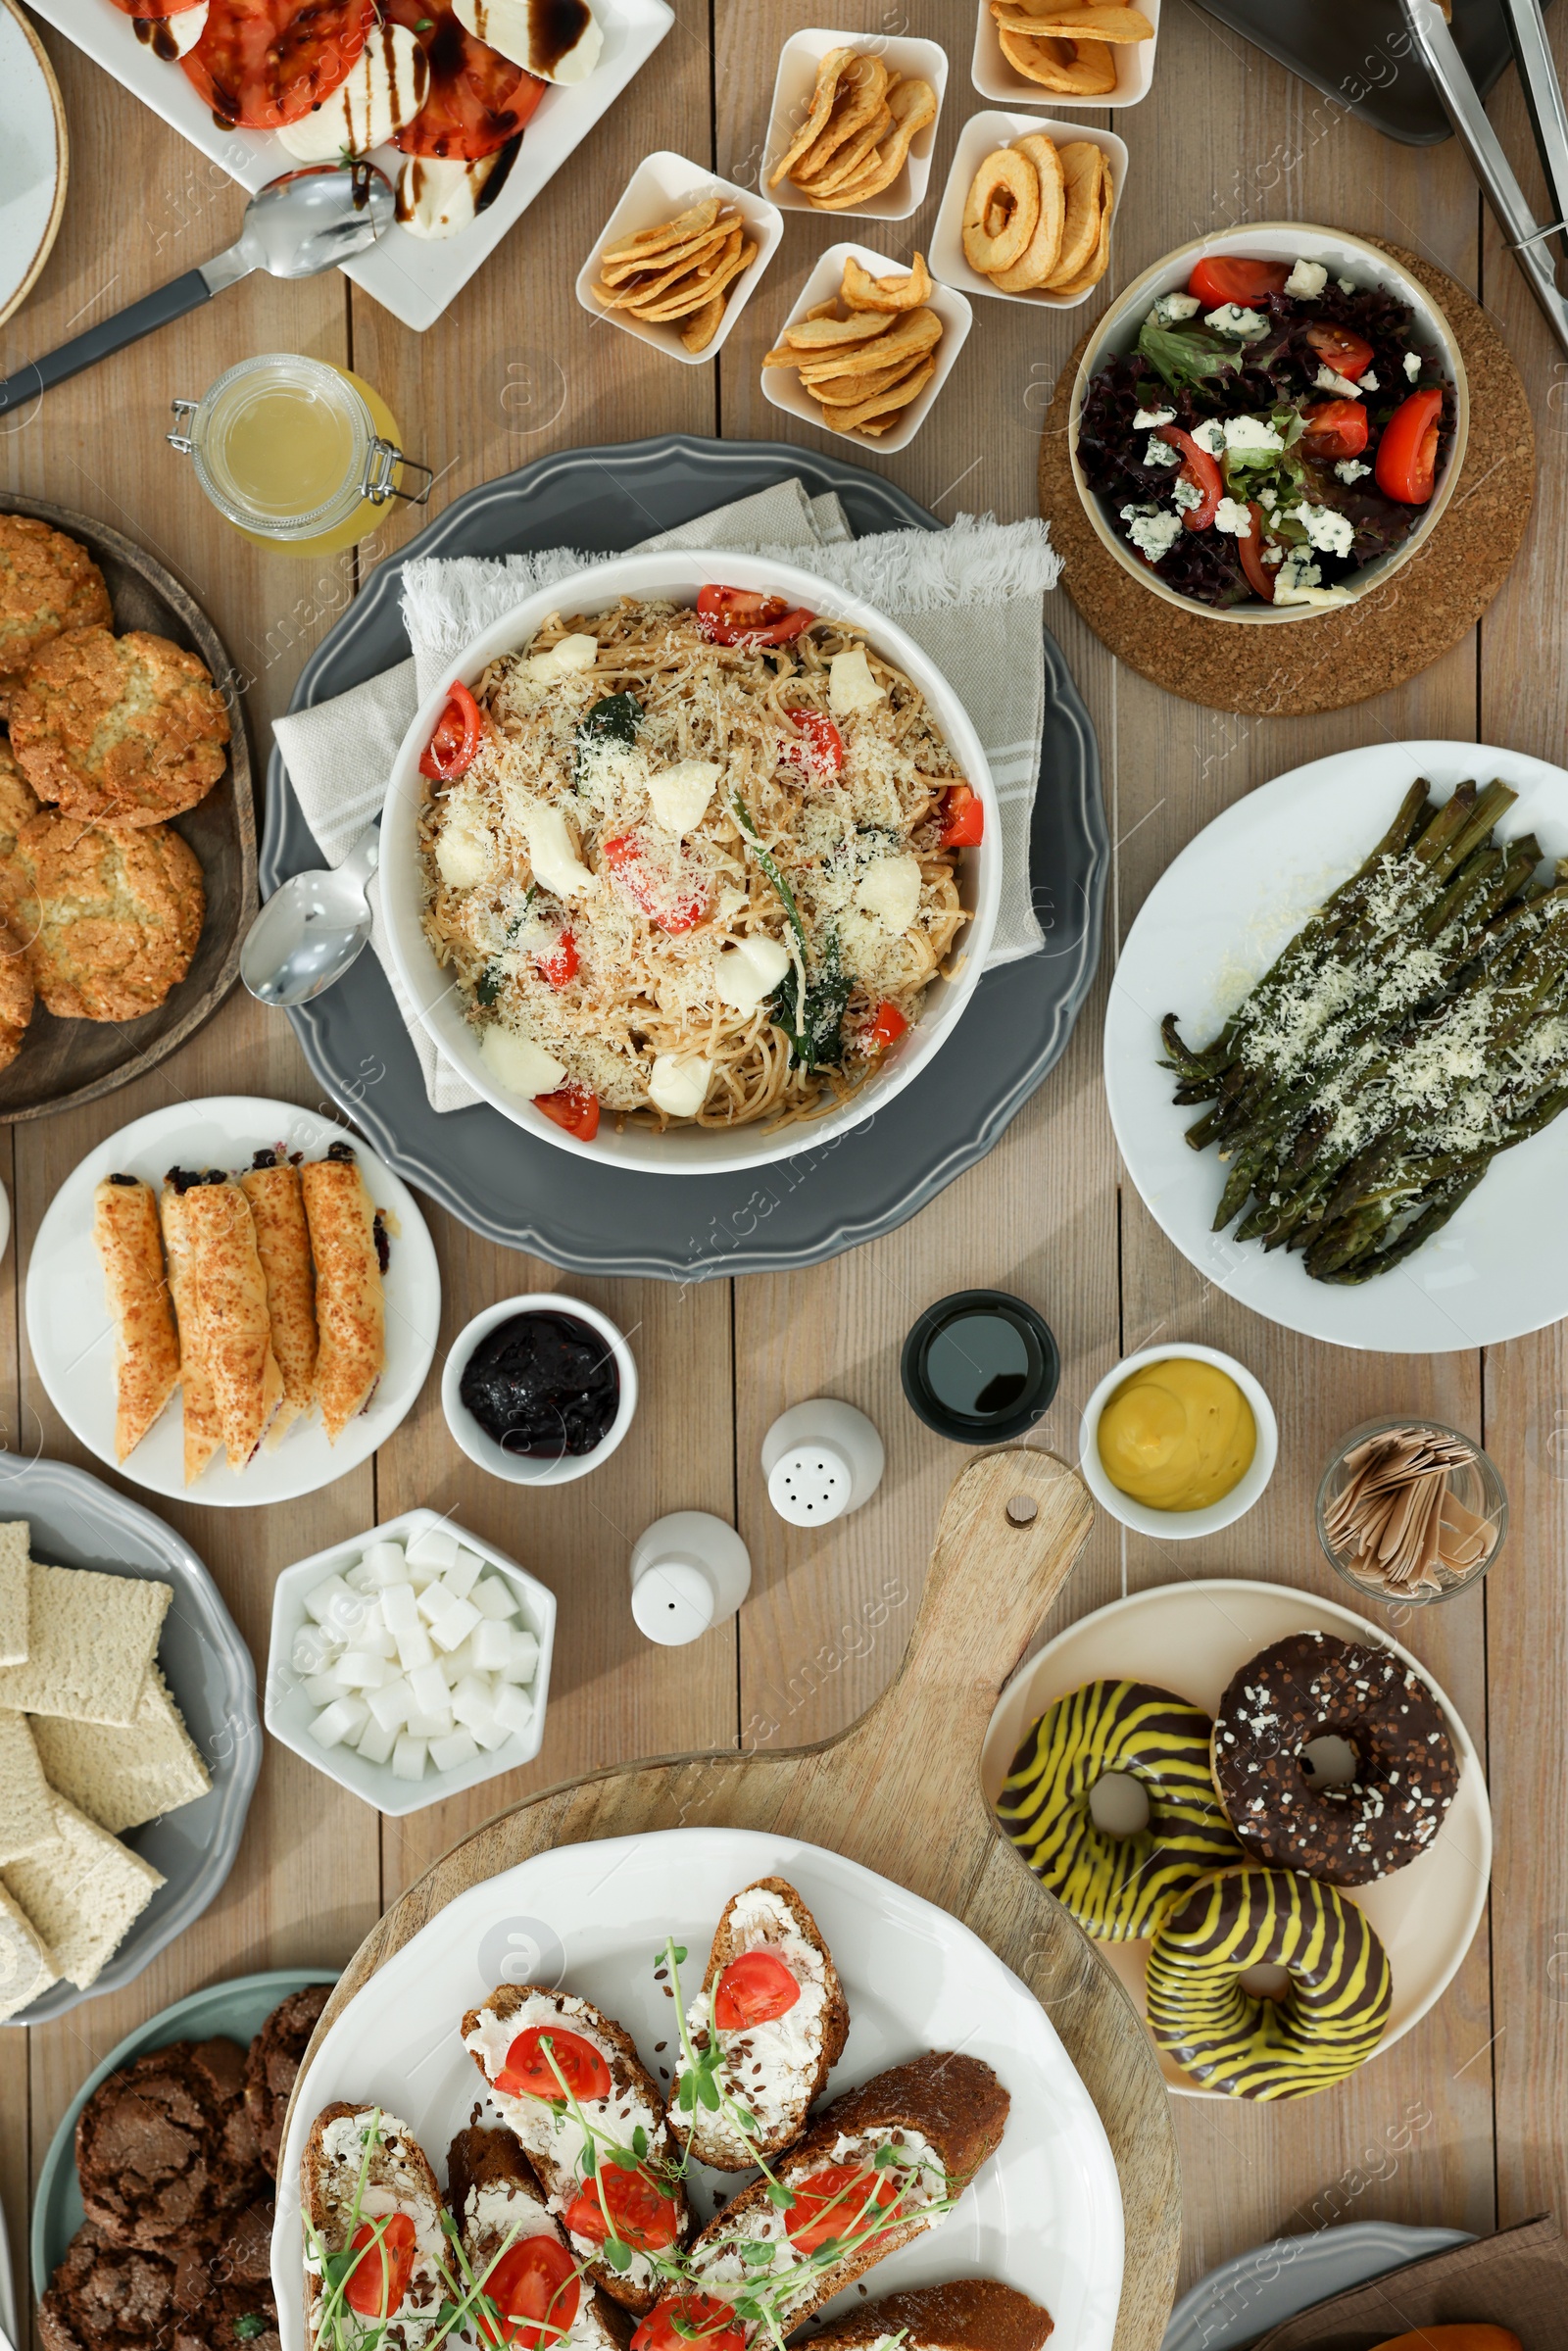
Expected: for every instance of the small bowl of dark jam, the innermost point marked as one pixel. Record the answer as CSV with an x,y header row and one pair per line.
x,y
539,1390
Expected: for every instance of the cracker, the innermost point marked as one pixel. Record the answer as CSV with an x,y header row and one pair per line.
x,y
27,1963
14,1539
122,1777
91,1640
27,1820
82,1895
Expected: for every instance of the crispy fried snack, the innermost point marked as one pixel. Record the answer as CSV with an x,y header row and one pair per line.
x,y
1000,212
677,272
865,370
856,135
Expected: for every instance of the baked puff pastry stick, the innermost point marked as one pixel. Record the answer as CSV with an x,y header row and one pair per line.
x,y
204,1433
231,1302
125,1227
283,1245
350,1305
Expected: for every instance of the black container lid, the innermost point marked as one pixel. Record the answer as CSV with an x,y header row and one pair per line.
x,y
980,1367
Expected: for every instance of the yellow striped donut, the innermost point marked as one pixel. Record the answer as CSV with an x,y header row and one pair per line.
x,y
1333,2013
1117,1887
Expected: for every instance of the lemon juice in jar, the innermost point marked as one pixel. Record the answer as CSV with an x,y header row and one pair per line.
x,y
296,453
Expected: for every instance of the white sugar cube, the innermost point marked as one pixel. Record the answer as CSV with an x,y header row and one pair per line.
x,y
513,1708
359,1669
400,1609
451,1753
491,1735
392,1703
454,1625
429,1684
322,1688
385,1564
519,1666
436,1725
374,1637
433,1600
407,1758
490,1645
344,1719
376,1743
431,1552
471,1702
462,1576
414,1649
454,1663
318,1601
492,1597
311,1651
359,1578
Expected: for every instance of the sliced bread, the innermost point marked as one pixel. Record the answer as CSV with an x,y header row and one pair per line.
x,y
121,1778
91,1640
773,2070
971,2313
27,1963
498,2202
345,2140
552,2137
27,1817
82,1895
14,1539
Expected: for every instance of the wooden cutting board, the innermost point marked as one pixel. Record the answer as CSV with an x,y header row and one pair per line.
x,y
900,1793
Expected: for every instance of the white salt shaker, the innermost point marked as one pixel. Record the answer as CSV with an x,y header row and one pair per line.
x,y
820,1459
689,1571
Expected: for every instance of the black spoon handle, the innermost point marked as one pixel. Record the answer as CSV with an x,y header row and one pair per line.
x,y
156,309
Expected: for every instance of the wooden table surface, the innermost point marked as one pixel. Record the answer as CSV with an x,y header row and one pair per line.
x,y
1462,2123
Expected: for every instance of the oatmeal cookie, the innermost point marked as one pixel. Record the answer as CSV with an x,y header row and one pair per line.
x,y
18,802
17,995
109,917
48,583
119,730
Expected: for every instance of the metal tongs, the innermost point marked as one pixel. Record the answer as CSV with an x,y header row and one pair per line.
x,y
1528,239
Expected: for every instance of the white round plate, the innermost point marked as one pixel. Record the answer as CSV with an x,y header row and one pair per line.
x,y
1190,1638
1208,929
72,1340
1045,2213
33,191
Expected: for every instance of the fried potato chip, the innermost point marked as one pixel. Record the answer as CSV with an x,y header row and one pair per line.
x,y
621,273
1088,203
849,160
822,96
1000,212
820,334
702,325
1073,68
649,241
1098,260
846,391
626,293
858,100
863,292
824,309
903,341
1040,255
1099,22
896,396
693,291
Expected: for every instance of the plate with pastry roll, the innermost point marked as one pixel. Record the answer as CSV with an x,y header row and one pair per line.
x,y
233,1301
686,2092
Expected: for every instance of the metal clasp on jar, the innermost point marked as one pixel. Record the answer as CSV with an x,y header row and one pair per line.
x,y
185,411
383,460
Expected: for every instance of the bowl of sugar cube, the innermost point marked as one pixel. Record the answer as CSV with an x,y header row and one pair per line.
x,y
410,1663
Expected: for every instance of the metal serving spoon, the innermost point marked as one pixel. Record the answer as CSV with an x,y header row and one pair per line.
x,y
295,226
306,936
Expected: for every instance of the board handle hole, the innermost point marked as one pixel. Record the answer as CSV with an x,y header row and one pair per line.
x,y
1023,1510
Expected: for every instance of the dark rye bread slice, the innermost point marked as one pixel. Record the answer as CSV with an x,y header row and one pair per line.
x,y
327,2213
627,2073
956,2103
707,2144
971,2313
481,2158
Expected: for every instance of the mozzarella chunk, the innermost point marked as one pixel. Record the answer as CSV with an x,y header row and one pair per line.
x,y
385,87
750,970
573,654
677,1083
520,30
438,195
553,854
185,28
462,854
519,1066
680,795
889,890
850,684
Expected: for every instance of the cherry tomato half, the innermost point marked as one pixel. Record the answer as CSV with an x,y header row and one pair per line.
x,y
672,906
643,2213
837,2203
1346,354
741,616
561,964
753,1990
690,2323
964,817
886,1029
527,2072
577,1108
1334,429
1406,463
459,732
1201,472
534,2288
264,63
1259,579
1223,277
477,99
376,2285
818,750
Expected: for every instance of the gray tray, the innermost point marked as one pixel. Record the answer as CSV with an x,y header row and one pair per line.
x,y
76,1522
1254,2291
1358,53
797,1212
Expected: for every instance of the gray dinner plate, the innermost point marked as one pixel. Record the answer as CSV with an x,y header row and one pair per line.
x,y
75,1522
515,1188
1253,2291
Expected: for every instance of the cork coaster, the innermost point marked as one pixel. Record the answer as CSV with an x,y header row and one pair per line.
x,y
1340,658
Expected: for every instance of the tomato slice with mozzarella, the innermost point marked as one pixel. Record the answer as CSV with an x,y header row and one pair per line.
x,y
1346,354
535,2292
690,2323
644,2215
576,1110
1259,579
964,817
672,904
753,1990
1406,463
154,8
1223,277
527,2072
260,64
838,2202
1334,429
819,748
741,616
377,2283
1201,472
886,1029
459,732
477,99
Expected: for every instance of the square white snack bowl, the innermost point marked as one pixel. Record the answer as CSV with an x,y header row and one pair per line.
x,y
678,575
666,183
995,78
289,1710
981,136
783,388
1180,1526
913,59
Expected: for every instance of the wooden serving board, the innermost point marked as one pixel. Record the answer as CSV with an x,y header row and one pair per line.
x,y
900,1793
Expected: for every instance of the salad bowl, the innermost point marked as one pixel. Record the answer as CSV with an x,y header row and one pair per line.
x,y
1346,258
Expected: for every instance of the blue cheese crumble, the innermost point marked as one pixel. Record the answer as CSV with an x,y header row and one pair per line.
x,y
1234,318
1412,364
1152,531
1160,453
1232,515
1171,309
1331,532
1307,279
1252,432
1187,495
1152,416
1351,469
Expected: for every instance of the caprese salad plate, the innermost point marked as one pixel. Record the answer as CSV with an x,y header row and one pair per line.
x,y
1043,2214
471,107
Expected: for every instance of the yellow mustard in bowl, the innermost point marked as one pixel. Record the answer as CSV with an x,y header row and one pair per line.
x,y
1176,1436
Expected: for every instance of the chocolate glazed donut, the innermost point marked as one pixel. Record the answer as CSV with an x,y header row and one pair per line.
x,y
1310,1686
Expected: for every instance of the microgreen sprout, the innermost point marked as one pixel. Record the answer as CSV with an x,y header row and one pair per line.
x,y
700,2083
338,2326
618,2251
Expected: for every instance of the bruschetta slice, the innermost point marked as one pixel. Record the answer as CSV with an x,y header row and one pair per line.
x,y
587,2090
768,2027
517,2251
880,2166
367,2189
971,2313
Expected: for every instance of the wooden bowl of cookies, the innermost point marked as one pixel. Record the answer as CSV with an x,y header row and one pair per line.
x,y
127,830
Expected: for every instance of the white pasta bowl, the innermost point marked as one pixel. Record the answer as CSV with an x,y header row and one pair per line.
x,y
677,575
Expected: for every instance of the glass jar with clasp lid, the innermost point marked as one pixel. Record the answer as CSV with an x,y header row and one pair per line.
x,y
295,453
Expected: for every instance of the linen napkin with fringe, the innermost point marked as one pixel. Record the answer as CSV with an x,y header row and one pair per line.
x,y
969,596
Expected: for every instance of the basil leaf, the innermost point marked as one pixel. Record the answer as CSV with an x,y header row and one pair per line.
x,y
613,719
816,1030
